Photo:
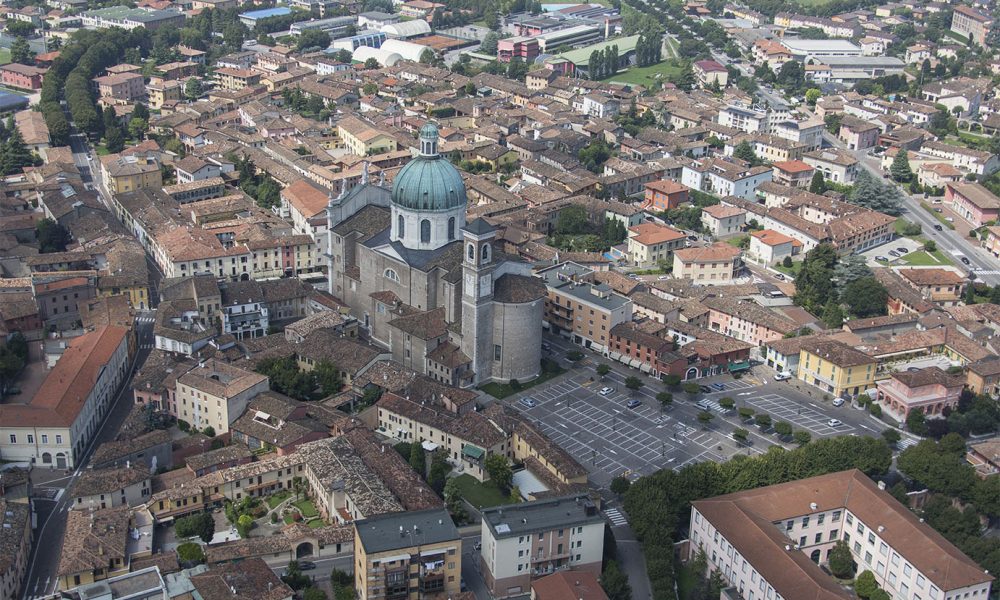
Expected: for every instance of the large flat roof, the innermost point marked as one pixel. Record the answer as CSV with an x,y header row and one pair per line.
x,y
405,529
581,56
541,515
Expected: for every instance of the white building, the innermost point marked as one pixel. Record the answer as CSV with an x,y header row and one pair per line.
x,y
769,543
806,133
214,394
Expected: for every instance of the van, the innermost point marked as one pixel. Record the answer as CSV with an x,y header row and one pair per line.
x,y
782,376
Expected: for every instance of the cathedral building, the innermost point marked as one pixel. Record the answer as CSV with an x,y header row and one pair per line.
x,y
429,286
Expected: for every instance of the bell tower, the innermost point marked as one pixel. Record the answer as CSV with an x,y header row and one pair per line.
x,y
477,297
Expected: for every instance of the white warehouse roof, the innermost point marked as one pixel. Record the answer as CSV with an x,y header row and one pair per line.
x,y
384,57
407,29
408,50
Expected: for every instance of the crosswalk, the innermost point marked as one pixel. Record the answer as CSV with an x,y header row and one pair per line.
x,y
905,442
709,404
145,319
985,272
616,517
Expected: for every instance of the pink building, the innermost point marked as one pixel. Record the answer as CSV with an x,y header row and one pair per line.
x,y
858,134
930,389
973,202
525,48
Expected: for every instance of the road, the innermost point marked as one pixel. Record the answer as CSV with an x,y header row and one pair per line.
x,y
951,242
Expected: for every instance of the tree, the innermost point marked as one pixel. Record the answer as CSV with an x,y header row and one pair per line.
x,y
939,468
740,435
572,220
499,470
850,269
900,170
314,593
705,417
137,128
691,388
517,69
673,381
620,485
763,421
193,89
871,193
916,422
313,38
633,383
787,262
783,428
840,561
615,582
372,63
818,183
744,151
745,412
865,585
489,45
865,297
52,237
666,399
427,56
595,154
891,436
603,369
814,284
201,525
986,496
294,577
243,525
114,140
21,53
190,553
417,458
14,153
328,377
812,95
727,403
833,316
801,437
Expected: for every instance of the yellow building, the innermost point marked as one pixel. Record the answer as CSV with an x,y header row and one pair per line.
x,y
236,79
836,368
362,139
407,555
130,173
160,92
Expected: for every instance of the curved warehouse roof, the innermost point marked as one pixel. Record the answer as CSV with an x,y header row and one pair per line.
x,y
384,57
408,50
407,29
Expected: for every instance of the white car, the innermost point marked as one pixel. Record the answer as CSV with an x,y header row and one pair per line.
x,y
606,390
834,423
782,376
838,402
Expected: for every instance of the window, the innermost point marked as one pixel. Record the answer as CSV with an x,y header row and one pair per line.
x,y
486,253
45,438
820,518
31,439
472,252
58,438
850,519
833,534
496,356
425,232
819,538
13,439
805,522
451,228
400,226
391,275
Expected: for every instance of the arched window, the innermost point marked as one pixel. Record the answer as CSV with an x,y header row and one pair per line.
x,y
425,232
451,228
391,275
472,252
400,227
486,253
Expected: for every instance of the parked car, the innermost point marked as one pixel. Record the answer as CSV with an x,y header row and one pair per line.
x,y
838,402
547,347
306,565
937,209
965,261
949,219
693,238
902,250
663,277
893,254
718,386
834,423
705,389
528,402
783,376
882,258
938,228
606,390
633,403
779,276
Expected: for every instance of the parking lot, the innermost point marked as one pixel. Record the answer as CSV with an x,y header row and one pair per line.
x,y
886,251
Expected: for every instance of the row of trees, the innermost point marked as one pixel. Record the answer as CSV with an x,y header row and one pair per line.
x,y
649,48
659,504
603,63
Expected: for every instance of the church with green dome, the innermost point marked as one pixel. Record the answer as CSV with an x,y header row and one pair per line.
x,y
437,292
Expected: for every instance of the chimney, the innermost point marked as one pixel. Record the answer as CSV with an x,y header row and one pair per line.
x,y
881,485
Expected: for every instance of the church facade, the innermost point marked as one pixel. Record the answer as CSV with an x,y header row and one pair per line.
x,y
429,286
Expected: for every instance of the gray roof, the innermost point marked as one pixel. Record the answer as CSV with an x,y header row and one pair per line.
x,y
406,529
541,515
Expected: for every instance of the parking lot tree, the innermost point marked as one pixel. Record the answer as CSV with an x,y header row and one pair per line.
x,y
727,403
840,561
763,421
705,417
674,381
620,485
666,399
603,369
633,383
891,436
801,437
574,355
499,470
783,428
691,388
740,435
745,412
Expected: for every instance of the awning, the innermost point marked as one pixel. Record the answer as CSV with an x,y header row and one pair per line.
x,y
739,366
634,363
614,355
473,452
645,368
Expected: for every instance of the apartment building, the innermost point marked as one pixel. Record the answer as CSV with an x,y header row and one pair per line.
x,y
768,247
983,376
523,541
363,139
837,166
973,202
710,72
577,308
107,488
214,394
99,544
160,93
649,244
858,134
123,88
770,542
725,177
715,264
942,286
407,556
836,368
664,195
793,173
746,320
15,542
967,160
972,24
20,76
236,79
55,427
130,172
723,220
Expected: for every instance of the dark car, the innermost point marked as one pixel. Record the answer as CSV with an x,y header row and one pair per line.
x,y
965,261
633,403
902,250
305,565
705,389
719,386
693,238
938,228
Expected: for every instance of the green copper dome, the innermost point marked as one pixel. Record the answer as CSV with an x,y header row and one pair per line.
x,y
428,182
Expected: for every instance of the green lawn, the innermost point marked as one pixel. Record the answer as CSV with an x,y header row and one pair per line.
x,y
479,494
288,519
925,259
4,56
276,499
793,270
307,508
502,390
735,241
647,75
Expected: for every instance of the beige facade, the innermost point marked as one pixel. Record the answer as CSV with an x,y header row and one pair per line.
x,y
215,394
718,263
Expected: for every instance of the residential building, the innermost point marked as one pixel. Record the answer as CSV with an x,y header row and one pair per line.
x,y
363,139
722,220
532,539
768,247
715,264
967,160
838,167
245,578
25,77
747,120
525,48
99,544
992,241
808,134
984,457
940,285
664,195
772,541
235,80
650,244
130,172
747,321
15,539
57,425
581,310
160,93
709,73
215,394
724,177
858,134
972,24
973,202
407,556
836,368
122,88
929,389
107,488
130,18
568,585
793,173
